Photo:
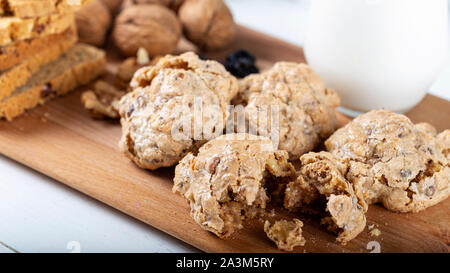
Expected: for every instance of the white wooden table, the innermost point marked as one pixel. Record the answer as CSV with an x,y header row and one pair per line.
x,y
39,214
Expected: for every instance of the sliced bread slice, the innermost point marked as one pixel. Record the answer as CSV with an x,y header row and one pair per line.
x,y
14,29
38,8
17,52
18,75
78,66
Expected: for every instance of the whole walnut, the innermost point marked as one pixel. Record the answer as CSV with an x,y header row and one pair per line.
x,y
207,23
152,27
93,21
112,5
172,4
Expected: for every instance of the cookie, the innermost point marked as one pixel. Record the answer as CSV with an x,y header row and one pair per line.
x,y
18,75
403,165
77,66
286,234
13,29
292,101
174,107
228,181
321,187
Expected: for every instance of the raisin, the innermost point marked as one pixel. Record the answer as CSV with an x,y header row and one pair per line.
x,y
130,111
39,28
430,191
213,165
405,173
241,64
202,57
47,90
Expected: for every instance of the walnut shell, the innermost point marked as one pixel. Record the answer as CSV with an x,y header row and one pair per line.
x,y
152,27
112,5
207,23
172,4
93,21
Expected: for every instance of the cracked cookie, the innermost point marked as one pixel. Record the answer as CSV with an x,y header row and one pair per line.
x,y
174,107
286,234
228,180
306,109
321,183
403,165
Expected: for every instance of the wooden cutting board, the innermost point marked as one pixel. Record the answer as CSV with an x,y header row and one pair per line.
x,y
60,140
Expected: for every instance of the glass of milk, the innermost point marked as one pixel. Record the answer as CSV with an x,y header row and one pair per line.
x,y
377,53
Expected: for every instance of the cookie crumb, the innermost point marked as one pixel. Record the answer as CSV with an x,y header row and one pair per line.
x,y
375,232
286,234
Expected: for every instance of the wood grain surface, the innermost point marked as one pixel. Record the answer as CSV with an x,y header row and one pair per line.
x,y
60,140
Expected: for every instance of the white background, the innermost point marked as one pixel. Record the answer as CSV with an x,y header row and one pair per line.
x,y
38,214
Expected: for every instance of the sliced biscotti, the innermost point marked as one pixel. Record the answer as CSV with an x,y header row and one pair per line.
x,y
76,67
17,52
38,8
14,29
18,75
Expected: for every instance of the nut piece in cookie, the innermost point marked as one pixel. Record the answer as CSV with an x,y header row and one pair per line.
x,y
228,180
286,234
296,103
392,161
175,106
321,182
444,139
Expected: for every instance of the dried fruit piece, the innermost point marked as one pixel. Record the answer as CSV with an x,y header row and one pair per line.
x,y
241,64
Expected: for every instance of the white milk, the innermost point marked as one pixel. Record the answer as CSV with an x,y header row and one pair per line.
x,y
378,53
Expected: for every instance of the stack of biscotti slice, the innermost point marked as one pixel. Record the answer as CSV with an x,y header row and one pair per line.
x,y
39,52
78,66
18,74
38,8
13,29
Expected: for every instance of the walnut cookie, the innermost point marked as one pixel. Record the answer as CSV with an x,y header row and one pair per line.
x,y
390,160
228,180
163,99
306,108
